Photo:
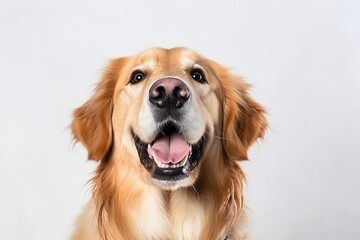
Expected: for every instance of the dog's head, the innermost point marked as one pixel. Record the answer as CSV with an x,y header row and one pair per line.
x,y
167,109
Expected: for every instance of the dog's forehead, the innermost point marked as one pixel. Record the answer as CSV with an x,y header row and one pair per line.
x,y
156,58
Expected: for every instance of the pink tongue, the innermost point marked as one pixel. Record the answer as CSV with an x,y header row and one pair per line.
x,y
170,149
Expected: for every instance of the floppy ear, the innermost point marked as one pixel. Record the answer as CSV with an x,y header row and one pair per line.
x,y
91,124
244,119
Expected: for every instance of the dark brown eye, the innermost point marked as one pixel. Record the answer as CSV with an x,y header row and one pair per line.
x,y
137,77
198,76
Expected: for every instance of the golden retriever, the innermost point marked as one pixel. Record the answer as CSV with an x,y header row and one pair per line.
x,y
168,128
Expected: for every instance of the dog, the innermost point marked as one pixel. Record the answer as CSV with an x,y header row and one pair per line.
x,y
168,128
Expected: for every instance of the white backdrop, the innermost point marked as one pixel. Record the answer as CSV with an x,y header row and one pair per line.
x,y
303,58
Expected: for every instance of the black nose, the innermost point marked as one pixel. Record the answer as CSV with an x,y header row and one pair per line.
x,y
169,93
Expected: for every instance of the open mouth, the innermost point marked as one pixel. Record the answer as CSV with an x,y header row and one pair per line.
x,y
169,157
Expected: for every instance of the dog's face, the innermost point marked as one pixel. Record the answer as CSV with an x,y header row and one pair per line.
x,y
167,109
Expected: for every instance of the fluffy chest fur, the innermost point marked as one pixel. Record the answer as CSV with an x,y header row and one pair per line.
x,y
175,216
182,218
137,210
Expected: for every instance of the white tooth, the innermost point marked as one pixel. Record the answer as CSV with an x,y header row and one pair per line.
x,y
158,163
154,157
150,156
182,163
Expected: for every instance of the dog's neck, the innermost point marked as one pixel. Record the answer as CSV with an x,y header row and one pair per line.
x,y
186,213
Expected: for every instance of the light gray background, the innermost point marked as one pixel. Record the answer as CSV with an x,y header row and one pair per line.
x,y
303,58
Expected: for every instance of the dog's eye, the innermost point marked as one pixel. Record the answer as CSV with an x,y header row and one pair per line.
x,y
137,77
198,76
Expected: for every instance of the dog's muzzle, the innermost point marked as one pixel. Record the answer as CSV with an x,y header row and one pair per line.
x,y
169,156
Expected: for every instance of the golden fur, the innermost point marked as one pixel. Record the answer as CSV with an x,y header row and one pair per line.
x,y
125,203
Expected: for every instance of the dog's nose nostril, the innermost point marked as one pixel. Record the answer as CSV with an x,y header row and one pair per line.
x,y
169,93
181,96
158,92
181,92
158,96
184,93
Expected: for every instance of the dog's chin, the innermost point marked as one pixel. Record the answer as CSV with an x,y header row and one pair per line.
x,y
172,185
170,175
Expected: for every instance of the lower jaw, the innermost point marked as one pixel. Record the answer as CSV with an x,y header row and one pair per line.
x,y
170,174
171,185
